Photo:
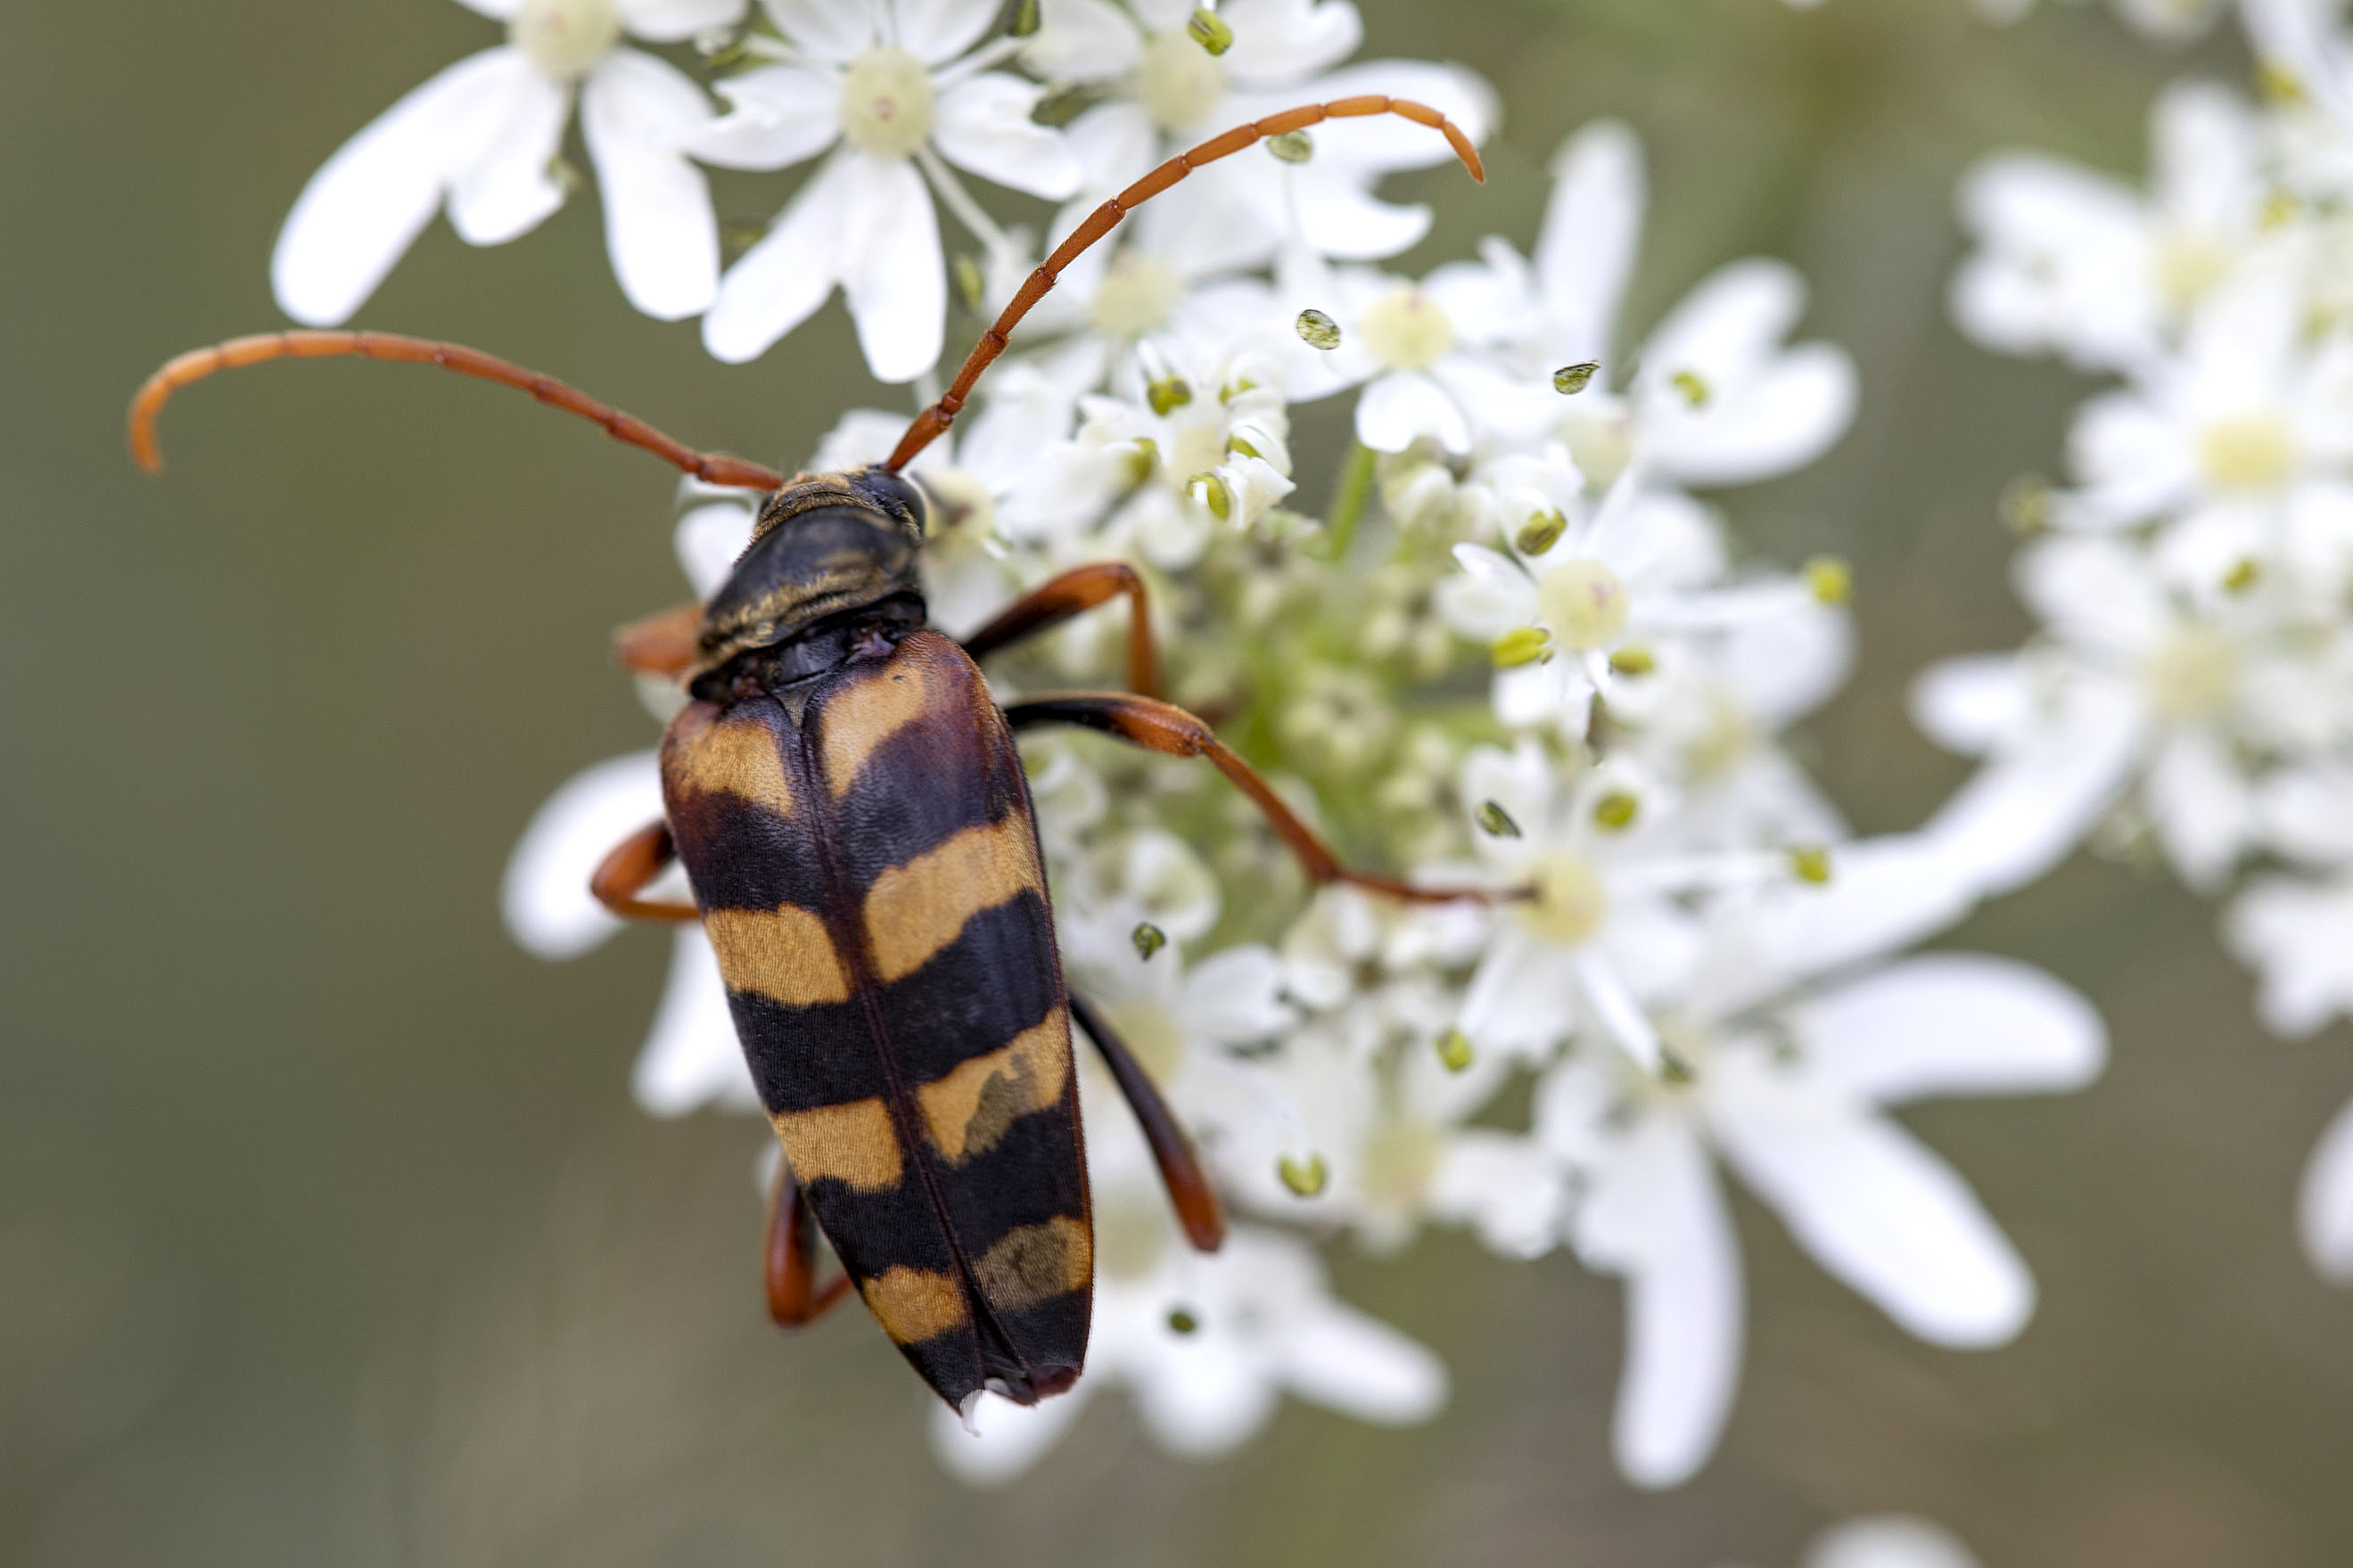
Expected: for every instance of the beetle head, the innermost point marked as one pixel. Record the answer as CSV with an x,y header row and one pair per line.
x,y
823,544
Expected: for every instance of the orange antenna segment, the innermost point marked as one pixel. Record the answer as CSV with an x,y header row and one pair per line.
x,y
198,364
931,421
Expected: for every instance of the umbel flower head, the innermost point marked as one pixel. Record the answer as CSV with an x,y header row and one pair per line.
x,y
481,140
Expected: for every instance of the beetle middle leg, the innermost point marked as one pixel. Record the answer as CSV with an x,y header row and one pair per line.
x,y
1170,730
1051,603
1190,1191
788,1262
630,868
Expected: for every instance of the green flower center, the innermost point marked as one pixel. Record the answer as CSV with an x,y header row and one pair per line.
x,y
886,102
1406,330
1584,604
1179,81
565,38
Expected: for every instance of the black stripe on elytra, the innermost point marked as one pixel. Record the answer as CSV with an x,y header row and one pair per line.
x,y
998,977
1031,1175
950,1363
952,768
804,1057
741,855
875,1231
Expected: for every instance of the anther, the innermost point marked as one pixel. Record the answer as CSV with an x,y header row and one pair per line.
x,y
1694,389
1616,811
1521,645
1148,939
1454,1050
1540,533
1305,1178
1496,821
1209,29
1571,379
1292,146
1318,331
1830,579
1810,863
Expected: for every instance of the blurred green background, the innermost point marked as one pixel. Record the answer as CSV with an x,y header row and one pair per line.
x,y
328,1231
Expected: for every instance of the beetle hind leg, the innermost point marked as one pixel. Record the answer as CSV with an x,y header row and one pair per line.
x,y
630,866
1059,598
1196,1200
1170,730
788,1262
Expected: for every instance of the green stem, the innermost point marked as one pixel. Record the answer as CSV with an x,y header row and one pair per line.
x,y
1348,506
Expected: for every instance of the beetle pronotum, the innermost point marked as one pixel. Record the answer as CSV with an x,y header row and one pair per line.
x,y
853,819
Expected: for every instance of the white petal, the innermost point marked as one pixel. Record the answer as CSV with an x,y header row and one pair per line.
x,y
984,126
891,270
1398,406
675,21
2298,936
496,10
2027,808
709,539
1008,1438
508,192
691,1057
1592,229
1874,1206
1888,1540
637,113
1766,424
1951,1024
1338,216
937,31
1351,1362
1508,1187
826,29
1203,1398
2325,1204
1277,42
1083,40
1235,997
780,283
2201,806
2307,813
783,114
1883,894
1785,666
1966,704
1522,997
366,204
1656,1215
545,895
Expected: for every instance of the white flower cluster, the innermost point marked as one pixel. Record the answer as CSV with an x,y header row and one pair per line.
x,y
1515,650
2186,695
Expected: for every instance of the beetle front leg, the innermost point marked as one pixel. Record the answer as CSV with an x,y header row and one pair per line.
x,y
788,1261
630,868
1170,730
1081,588
1195,1200
664,645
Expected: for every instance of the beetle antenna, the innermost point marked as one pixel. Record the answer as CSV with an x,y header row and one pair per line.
x,y
931,421
198,364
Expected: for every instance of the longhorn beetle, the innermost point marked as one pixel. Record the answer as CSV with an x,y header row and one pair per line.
x,y
855,824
